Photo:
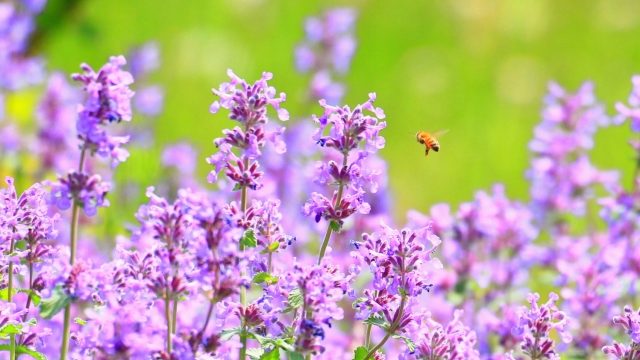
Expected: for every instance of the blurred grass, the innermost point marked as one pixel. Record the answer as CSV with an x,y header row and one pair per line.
x,y
478,68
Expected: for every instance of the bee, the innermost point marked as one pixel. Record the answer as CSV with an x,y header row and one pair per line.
x,y
430,140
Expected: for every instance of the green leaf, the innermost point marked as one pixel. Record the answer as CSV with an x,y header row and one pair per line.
x,y
294,356
51,306
265,277
35,297
28,351
294,300
255,353
360,353
271,355
80,321
263,340
271,248
377,321
229,333
284,345
249,239
237,187
334,225
410,344
10,329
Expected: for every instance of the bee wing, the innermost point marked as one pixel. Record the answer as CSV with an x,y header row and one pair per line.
x,y
439,133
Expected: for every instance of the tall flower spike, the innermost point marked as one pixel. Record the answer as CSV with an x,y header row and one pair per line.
x,y
247,104
354,134
108,100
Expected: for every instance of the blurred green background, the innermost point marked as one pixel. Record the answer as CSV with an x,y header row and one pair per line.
x,y
476,67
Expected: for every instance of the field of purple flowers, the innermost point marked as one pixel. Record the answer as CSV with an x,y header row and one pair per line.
x,y
290,250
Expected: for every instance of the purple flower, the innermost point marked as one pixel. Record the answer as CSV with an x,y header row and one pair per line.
x,y
630,322
182,156
455,341
56,114
149,100
248,105
108,99
327,50
354,135
561,174
88,191
535,325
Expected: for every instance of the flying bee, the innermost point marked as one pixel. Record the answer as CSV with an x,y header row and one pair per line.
x,y
429,140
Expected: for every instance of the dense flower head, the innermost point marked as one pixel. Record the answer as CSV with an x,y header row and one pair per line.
x,y
632,110
108,99
561,172
630,323
247,104
352,135
401,260
88,191
455,341
535,325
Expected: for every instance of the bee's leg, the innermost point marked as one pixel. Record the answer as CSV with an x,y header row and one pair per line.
x,y
426,151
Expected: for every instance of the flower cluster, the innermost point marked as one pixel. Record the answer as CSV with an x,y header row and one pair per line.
x,y
108,100
88,191
402,266
352,135
248,106
455,341
561,173
535,325
225,274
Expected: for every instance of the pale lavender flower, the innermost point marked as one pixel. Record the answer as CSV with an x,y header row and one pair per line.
x,y
56,115
327,51
108,99
561,173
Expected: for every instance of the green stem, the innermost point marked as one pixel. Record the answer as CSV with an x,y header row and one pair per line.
x,y
392,328
367,336
12,337
167,314
174,322
75,213
327,235
243,291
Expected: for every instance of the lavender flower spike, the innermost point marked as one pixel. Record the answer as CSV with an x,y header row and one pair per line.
x,y
108,100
